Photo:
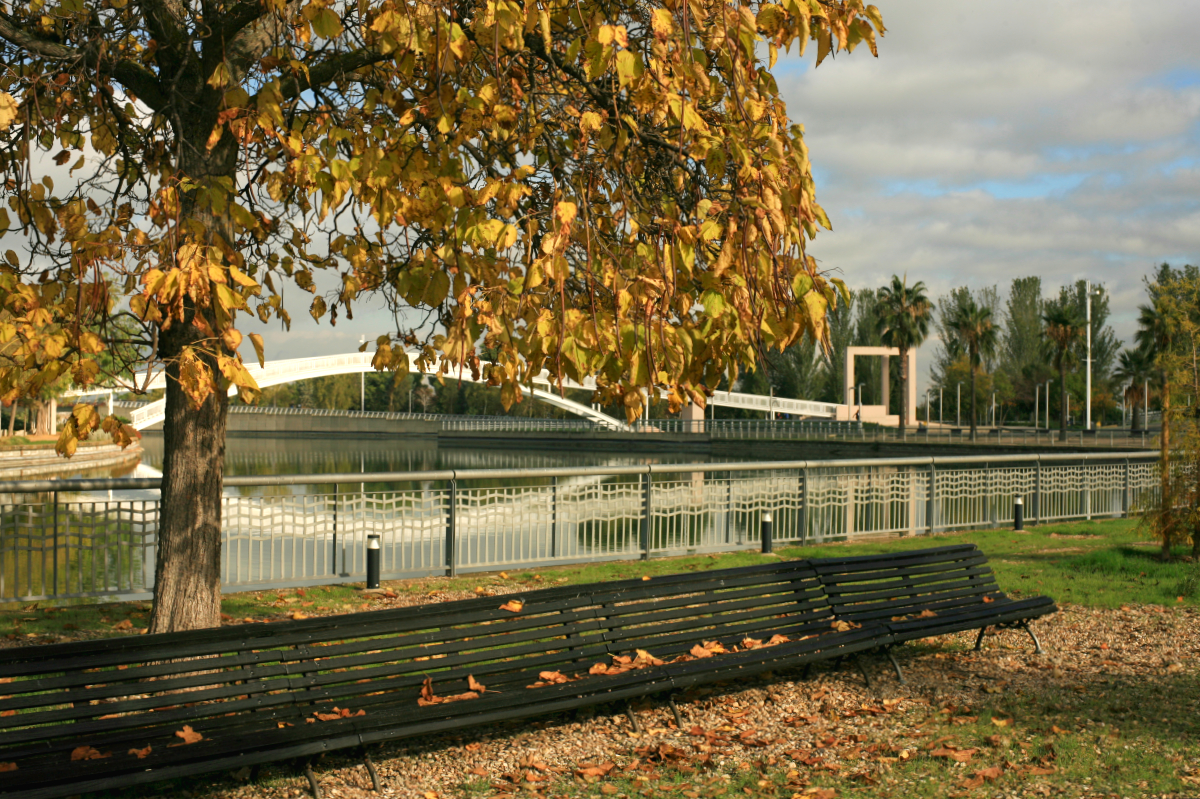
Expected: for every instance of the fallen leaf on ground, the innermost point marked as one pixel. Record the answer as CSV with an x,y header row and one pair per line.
x,y
589,770
1001,722
296,615
1041,771
819,793
87,753
513,606
124,624
140,753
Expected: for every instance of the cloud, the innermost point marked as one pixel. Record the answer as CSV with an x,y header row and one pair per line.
x,y
992,141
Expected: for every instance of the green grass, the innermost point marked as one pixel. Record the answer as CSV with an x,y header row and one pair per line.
x,y
1099,564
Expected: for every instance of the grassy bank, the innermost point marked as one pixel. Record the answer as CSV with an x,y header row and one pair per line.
x,y
1099,564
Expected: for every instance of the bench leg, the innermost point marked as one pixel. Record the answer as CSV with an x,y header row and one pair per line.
x,y
896,666
979,640
312,779
863,671
632,718
675,710
371,769
1037,645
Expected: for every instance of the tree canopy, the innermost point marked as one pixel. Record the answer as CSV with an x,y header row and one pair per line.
x,y
593,187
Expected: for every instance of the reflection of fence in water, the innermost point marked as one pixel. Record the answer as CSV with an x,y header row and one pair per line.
x,y
54,548
513,519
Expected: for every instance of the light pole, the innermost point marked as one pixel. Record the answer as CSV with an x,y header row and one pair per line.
x,y
1037,395
958,405
993,409
1088,399
926,409
940,406
1048,382
362,381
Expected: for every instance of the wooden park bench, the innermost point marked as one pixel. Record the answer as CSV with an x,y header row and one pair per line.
x,y
110,713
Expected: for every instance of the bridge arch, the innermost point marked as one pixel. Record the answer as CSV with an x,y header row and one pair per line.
x,y
276,373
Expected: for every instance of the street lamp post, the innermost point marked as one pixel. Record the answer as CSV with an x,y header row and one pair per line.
x,y
958,406
993,409
1088,399
940,406
926,409
362,381
1048,382
1037,395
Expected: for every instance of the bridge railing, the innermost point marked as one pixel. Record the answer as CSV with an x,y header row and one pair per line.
x,y
71,539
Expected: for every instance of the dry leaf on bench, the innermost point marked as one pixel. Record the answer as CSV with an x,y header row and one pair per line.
x,y
188,735
778,639
513,606
140,753
926,614
87,753
700,652
474,684
751,643
8,767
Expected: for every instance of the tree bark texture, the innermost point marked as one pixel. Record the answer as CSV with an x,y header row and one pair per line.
x,y
903,389
187,571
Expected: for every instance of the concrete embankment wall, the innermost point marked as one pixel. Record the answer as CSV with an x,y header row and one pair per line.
x,y
300,425
25,463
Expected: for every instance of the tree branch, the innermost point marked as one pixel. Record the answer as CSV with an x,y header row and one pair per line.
x,y
139,80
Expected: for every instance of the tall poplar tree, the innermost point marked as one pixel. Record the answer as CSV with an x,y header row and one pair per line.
x,y
598,188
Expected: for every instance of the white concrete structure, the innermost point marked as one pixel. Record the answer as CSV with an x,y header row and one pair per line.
x,y
879,413
544,389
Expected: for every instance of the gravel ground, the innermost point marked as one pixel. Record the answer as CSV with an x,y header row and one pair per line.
x,y
831,721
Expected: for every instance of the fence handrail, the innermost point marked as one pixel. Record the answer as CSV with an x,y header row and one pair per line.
x,y
154,483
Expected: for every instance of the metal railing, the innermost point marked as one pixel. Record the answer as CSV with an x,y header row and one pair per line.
x,y
56,542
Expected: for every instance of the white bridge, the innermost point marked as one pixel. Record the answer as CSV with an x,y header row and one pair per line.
x,y
287,371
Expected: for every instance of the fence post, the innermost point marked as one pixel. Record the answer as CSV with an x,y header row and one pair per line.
x,y
804,506
1087,488
54,553
451,554
647,510
1127,497
850,485
554,517
1037,492
930,501
728,507
333,566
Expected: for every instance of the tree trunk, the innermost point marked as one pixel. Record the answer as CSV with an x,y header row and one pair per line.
x,y
187,571
974,433
1062,401
903,390
12,419
1165,464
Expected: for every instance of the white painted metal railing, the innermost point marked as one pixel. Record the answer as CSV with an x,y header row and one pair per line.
x,y
57,541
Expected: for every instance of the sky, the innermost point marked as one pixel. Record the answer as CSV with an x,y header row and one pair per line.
x,y
991,141
988,141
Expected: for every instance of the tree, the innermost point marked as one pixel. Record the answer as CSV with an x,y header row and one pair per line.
x,y
972,325
903,314
1133,370
1063,331
598,189
1169,331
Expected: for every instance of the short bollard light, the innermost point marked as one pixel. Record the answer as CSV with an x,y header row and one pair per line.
x,y
766,534
372,561
1019,513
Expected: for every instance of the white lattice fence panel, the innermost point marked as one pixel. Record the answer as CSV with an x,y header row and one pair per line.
x,y
511,525
1105,489
600,519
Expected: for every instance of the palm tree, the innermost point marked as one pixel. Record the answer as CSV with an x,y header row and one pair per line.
x,y
903,314
978,335
1132,371
1063,331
